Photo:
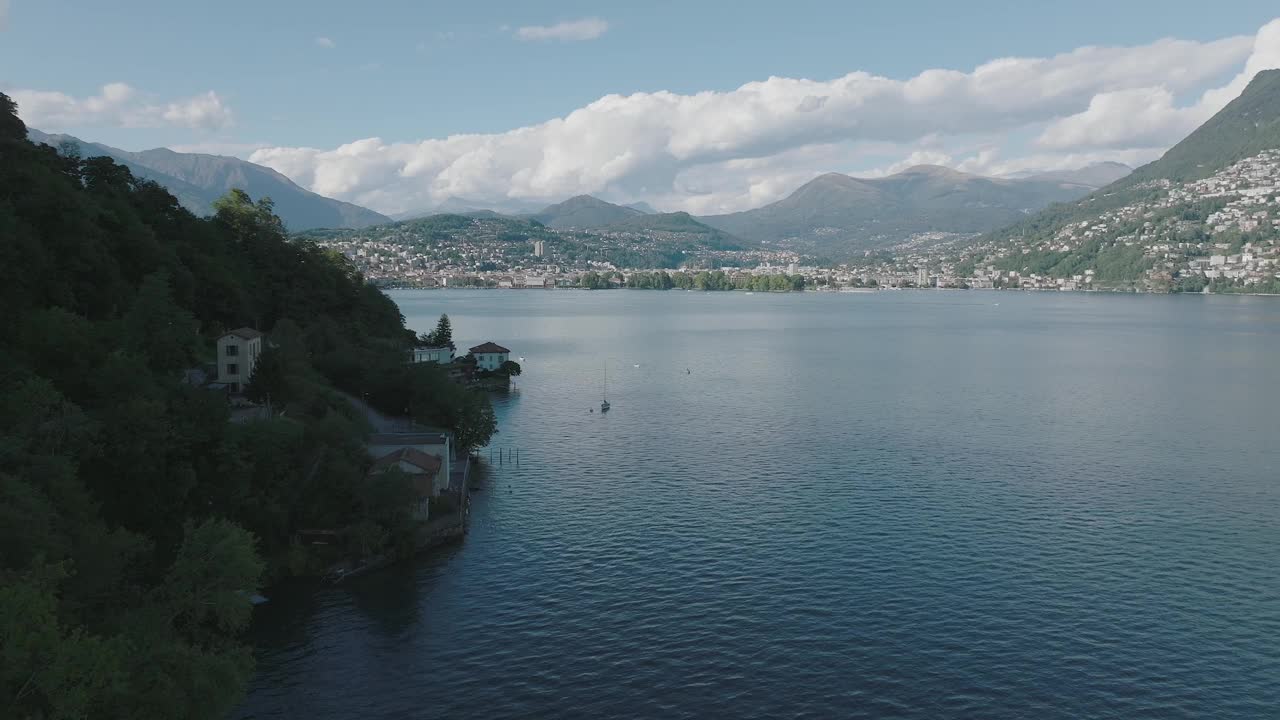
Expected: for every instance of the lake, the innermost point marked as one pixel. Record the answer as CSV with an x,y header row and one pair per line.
x,y
912,504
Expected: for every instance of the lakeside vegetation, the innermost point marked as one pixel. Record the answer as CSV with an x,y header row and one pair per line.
x,y
136,519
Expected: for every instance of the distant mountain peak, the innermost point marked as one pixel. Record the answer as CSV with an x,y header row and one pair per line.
x,y
584,211
643,207
836,215
934,171
198,179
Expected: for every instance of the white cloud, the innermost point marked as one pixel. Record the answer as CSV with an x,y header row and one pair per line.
x,y
721,151
202,112
584,29
4,14
119,105
1150,115
218,147
325,43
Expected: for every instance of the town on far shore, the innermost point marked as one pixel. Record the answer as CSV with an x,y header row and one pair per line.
x,y
1216,234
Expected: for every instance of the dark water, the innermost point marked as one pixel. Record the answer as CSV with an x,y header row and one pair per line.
x,y
904,504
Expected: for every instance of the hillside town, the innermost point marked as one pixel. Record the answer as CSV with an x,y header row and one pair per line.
x,y
1222,228
1218,233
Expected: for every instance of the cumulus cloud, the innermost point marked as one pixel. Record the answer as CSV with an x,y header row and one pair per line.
x,y
720,151
326,43
1150,116
120,105
584,29
219,147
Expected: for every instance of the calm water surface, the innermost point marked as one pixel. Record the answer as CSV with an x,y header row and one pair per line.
x,y
903,504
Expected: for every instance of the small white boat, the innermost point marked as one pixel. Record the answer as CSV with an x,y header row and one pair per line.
x,y
604,395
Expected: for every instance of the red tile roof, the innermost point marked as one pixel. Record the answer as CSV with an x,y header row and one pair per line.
x,y
426,463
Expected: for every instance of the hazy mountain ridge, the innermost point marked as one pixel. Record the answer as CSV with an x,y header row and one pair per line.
x,y
677,224
838,215
1092,176
197,180
461,243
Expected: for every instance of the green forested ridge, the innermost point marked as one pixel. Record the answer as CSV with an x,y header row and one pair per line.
x,y
135,519
583,211
1247,126
663,241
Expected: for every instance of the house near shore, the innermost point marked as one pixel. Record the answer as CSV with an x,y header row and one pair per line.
x,y
424,457
490,356
442,355
238,353
437,444
423,471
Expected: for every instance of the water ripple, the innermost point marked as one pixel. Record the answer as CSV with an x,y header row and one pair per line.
x,y
869,506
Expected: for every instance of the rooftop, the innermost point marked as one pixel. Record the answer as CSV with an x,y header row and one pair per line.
x,y
409,438
489,347
246,333
428,464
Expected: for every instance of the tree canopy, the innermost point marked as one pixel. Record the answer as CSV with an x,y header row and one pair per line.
x,y
136,518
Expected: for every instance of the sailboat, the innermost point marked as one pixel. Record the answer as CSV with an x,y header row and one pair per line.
x,y
604,398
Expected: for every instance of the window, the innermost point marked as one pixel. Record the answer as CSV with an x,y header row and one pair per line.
x,y
233,369
233,350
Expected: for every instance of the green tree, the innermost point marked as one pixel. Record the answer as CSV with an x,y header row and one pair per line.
x,y
129,505
158,329
245,217
208,588
442,336
48,670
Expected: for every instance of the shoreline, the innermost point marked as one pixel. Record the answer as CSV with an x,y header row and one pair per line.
x,y
851,290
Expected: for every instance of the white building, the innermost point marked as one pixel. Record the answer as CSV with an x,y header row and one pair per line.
x,y
442,355
490,356
238,353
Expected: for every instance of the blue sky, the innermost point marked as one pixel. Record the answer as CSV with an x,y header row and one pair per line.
x,y
321,74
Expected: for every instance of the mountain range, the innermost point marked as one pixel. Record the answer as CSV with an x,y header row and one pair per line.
x,y
838,215
197,180
833,215
1091,176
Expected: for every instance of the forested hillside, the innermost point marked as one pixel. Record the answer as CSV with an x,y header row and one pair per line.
x,y
136,521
